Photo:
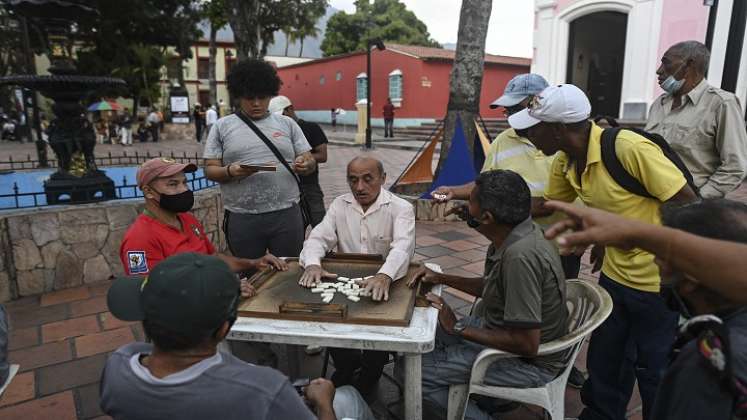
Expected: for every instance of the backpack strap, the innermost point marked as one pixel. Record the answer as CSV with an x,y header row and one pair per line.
x,y
615,168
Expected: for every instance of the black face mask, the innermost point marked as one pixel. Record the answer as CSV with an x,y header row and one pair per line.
x,y
177,203
674,301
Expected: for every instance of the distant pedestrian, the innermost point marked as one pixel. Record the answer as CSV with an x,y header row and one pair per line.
x,y
333,117
142,130
153,122
388,118
211,116
125,128
160,119
199,119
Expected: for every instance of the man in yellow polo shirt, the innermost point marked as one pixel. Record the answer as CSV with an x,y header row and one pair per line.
x,y
635,340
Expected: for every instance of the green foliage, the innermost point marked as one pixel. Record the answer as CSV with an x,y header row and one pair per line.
x,y
129,39
386,19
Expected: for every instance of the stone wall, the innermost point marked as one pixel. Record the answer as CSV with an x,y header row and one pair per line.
x,y
65,246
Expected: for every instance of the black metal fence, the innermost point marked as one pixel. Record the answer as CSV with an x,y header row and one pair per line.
x,y
124,159
19,200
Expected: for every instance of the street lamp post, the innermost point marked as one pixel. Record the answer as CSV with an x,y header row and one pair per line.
x,y
379,44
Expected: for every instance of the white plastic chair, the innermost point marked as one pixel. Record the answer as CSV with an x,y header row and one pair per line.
x,y
11,374
589,306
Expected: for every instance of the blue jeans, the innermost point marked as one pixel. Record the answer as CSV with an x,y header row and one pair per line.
x,y
633,343
450,363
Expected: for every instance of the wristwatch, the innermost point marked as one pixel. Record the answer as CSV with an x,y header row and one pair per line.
x,y
459,327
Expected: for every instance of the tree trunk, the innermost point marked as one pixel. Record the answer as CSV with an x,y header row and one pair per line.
x,y
212,51
287,43
300,51
466,75
243,18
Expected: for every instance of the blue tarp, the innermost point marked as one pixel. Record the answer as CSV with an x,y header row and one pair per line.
x,y
459,167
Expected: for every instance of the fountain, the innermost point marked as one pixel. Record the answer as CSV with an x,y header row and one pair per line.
x,y
71,134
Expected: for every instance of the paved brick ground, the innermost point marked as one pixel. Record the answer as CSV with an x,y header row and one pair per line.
x,y
61,339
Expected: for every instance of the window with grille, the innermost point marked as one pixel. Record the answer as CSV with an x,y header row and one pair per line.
x,y
395,85
361,84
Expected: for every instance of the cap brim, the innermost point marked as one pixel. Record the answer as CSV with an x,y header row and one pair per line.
x,y
522,120
123,298
507,100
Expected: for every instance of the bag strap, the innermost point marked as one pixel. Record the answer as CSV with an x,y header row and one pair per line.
x,y
615,168
269,145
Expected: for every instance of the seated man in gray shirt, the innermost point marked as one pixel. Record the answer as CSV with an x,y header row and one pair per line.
x,y
187,306
522,306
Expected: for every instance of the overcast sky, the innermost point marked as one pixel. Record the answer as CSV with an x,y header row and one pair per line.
x,y
509,32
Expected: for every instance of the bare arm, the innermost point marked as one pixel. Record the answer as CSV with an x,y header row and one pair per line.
x,y
719,265
215,171
320,153
244,264
456,192
524,342
470,285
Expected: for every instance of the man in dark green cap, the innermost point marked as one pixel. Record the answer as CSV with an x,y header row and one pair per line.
x,y
187,306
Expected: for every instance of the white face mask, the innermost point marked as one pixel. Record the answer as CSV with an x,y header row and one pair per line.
x,y
671,85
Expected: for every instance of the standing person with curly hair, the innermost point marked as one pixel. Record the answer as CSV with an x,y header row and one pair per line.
x,y
262,208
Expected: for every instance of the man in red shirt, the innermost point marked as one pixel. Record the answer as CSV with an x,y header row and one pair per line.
x,y
166,227
388,118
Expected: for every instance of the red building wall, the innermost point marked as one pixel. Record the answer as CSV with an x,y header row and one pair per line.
x,y
425,89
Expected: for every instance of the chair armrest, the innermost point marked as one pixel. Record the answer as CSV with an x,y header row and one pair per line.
x,y
483,362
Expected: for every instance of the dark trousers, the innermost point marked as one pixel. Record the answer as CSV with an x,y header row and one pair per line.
x,y
360,368
154,132
388,127
280,233
571,266
314,196
198,132
633,343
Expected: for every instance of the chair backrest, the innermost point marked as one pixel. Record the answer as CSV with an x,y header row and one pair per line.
x,y
589,305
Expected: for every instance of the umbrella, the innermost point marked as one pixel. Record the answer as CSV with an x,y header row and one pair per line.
x,y
105,106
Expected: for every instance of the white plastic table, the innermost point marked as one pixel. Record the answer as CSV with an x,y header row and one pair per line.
x,y
412,341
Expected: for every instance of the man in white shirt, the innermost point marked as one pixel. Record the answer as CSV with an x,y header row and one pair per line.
x,y
211,116
368,220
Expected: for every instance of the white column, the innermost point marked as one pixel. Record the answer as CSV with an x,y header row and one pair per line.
x,y
720,38
641,58
544,43
742,78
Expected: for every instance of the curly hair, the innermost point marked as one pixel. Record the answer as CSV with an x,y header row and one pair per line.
x,y
505,195
253,78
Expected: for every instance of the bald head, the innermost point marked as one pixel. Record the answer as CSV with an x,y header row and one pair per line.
x,y
694,51
365,177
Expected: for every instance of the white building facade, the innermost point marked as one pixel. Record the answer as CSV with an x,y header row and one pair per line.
x,y
612,48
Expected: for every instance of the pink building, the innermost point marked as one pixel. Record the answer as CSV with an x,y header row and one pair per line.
x,y
612,48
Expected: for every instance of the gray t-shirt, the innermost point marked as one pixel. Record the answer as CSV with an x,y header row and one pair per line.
x,y
232,141
220,387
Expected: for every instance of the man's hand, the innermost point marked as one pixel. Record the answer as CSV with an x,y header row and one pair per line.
x,y
426,275
237,172
313,274
320,393
446,317
247,290
591,226
442,194
304,164
596,258
377,286
270,260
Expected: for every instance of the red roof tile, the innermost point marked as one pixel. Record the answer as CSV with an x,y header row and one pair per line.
x,y
429,53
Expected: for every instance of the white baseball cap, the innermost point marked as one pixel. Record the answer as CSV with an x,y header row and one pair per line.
x,y
278,104
557,104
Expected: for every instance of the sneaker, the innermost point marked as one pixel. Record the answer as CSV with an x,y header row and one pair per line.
x,y
313,350
576,378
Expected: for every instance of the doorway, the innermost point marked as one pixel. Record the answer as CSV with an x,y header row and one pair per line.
x,y
596,53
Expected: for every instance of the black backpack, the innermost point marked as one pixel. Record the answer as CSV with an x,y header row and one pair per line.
x,y
618,172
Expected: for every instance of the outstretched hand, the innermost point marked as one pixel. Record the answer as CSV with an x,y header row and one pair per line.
x,y
313,275
590,226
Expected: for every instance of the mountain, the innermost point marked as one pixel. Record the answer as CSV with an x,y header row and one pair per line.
x,y
310,45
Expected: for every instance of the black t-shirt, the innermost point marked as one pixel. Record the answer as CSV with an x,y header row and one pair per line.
x,y
316,137
691,388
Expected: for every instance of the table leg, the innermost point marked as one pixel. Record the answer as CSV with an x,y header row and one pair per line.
x,y
413,387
